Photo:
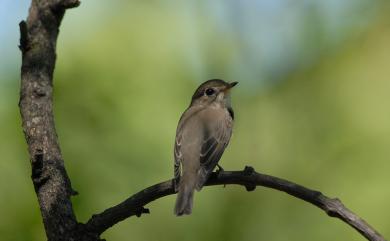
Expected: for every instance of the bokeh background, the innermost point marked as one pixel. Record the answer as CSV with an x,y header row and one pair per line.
x,y
312,106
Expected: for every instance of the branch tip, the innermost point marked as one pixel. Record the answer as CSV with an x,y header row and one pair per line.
x,y
23,41
141,210
248,170
250,187
73,192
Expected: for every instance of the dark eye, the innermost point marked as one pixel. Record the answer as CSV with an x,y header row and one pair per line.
x,y
210,91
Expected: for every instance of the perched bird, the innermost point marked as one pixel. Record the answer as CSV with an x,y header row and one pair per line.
x,y
202,135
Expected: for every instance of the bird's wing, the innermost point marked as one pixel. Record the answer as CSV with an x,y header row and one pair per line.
x,y
214,144
178,155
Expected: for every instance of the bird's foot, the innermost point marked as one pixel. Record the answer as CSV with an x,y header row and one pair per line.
x,y
220,169
176,184
219,172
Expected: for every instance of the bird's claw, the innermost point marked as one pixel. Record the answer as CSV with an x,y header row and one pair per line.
x,y
220,169
219,172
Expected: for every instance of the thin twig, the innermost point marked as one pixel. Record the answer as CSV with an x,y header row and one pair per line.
x,y
134,205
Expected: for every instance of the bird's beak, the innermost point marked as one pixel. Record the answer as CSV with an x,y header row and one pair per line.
x,y
231,85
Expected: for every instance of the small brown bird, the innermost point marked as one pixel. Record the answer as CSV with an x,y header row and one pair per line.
x,y
202,135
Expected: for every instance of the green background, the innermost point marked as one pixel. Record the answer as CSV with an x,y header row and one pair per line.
x,y
312,106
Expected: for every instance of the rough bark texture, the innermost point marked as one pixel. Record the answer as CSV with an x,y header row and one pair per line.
x,y
52,185
51,182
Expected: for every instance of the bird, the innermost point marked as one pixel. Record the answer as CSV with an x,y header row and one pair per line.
x,y
202,134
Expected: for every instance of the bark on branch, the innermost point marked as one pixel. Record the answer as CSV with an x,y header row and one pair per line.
x,y
38,37
248,178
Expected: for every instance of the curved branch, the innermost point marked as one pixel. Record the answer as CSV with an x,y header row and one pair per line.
x,y
134,205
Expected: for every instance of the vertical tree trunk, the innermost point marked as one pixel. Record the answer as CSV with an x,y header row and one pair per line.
x,y
52,185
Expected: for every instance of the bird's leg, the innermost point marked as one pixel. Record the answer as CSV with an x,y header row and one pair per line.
x,y
220,169
176,181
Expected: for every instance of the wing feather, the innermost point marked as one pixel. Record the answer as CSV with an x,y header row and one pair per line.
x,y
178,160
214,145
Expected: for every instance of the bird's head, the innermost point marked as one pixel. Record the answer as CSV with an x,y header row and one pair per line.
x,y
213,91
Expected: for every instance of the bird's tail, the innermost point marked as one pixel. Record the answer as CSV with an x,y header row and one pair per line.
x,y
185,196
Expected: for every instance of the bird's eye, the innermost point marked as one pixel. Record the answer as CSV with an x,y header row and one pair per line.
x,y
210,91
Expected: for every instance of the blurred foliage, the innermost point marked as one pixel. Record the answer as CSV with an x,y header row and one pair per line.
x,y
316,113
